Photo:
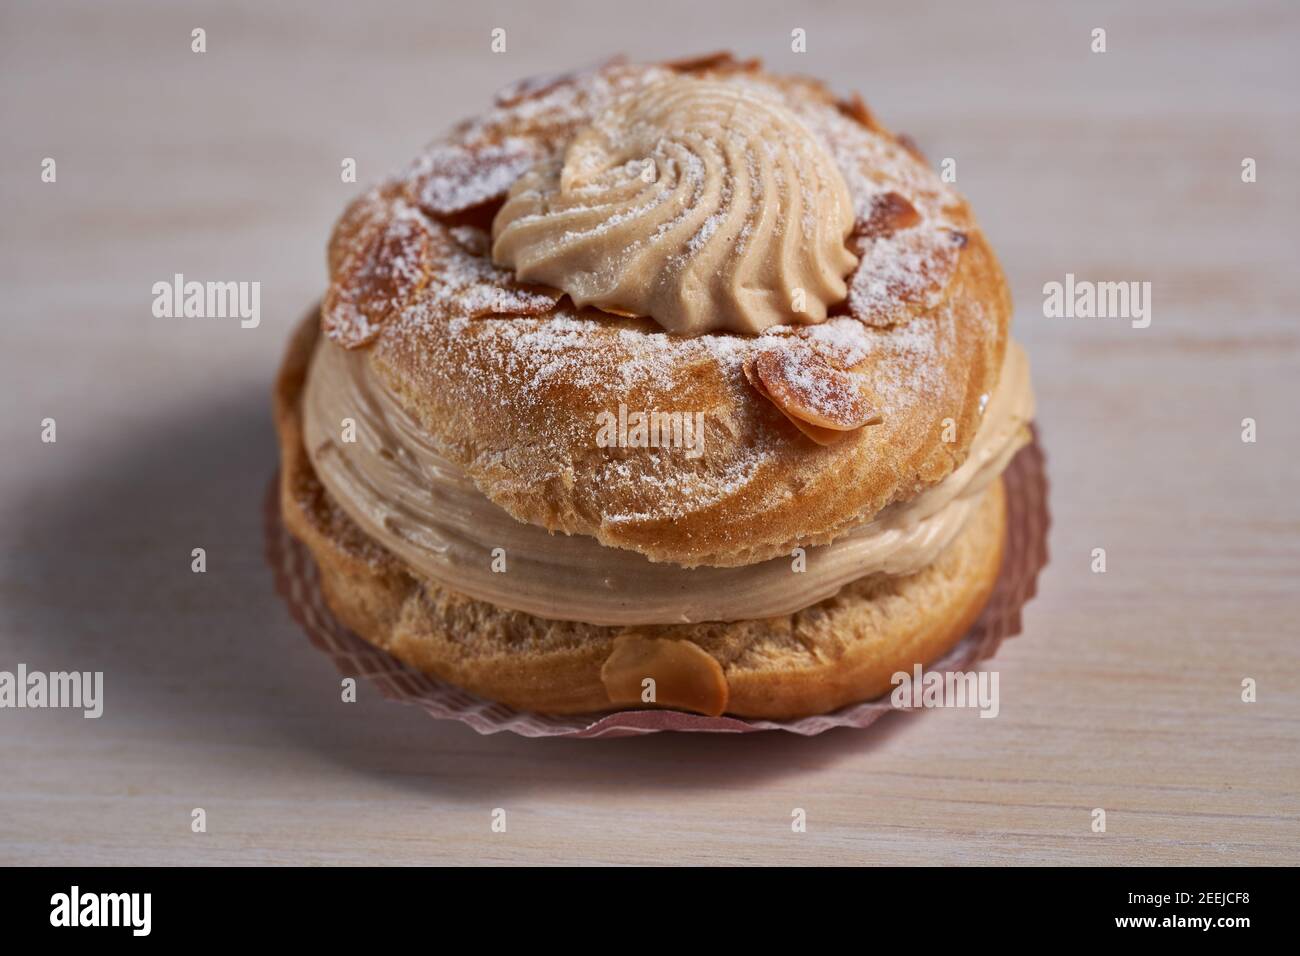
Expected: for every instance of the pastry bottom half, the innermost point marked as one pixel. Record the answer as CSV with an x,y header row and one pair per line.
x,y
839,651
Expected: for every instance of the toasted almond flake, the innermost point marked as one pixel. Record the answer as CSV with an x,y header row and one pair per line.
x,y
890,212
377,277
455,177
824,402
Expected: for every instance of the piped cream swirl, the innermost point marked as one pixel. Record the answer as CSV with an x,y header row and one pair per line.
x,y
701,204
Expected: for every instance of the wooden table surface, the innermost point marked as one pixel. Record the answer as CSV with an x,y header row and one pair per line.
x,y
1123,692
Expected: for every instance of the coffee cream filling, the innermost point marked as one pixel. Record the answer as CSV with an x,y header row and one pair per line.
x,y
423,508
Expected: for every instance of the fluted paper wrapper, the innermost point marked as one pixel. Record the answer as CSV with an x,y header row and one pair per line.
x,y
297,580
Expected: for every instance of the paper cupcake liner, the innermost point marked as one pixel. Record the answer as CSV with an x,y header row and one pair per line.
x,y
298,581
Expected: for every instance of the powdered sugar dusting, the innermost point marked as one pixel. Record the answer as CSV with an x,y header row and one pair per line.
x,y
899,271
397,260
416,263
904,272
453,177
483,156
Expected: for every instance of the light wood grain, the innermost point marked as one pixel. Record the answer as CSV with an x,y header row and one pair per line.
x,y
1124,690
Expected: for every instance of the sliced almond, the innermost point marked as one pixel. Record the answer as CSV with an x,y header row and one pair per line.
x,y
394,256
822,436
823,402
856,109
893,283
384,270
719,60
621,313
533,87
843,354
909,144
890,213
452,177
685,675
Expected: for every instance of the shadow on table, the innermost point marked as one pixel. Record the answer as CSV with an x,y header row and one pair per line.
x,y
214,657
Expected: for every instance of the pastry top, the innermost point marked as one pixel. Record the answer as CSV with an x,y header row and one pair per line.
x,y
512,381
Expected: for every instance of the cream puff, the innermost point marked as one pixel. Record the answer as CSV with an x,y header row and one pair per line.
x,y
680,385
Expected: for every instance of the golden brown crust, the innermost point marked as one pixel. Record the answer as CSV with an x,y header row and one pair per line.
x,y
509,379
836,652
